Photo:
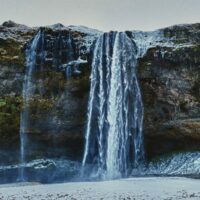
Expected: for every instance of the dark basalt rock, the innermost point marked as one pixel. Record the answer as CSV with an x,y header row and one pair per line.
x,y
58,107
10,24
169,85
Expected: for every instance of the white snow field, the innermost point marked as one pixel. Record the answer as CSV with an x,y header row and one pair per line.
x,y
154,188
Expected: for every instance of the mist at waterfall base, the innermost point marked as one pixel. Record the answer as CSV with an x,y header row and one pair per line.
x,y
114,145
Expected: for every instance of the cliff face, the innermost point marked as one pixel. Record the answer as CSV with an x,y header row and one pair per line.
x,y
58,107
170,79
13,37
168,70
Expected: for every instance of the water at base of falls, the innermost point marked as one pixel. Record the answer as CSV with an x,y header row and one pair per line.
x,y
114,139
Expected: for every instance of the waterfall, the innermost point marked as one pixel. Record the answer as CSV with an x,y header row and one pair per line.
x,y
70,49
27,92
70,57
114,135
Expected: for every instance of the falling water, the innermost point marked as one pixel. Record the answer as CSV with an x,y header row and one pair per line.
x,y
114,135
70,49
70,57
28,90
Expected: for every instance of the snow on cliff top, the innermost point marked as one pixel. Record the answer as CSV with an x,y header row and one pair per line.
x,y
81,29
86,30
147,40
144,40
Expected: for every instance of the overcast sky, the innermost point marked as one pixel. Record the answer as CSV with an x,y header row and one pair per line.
x,y
102,14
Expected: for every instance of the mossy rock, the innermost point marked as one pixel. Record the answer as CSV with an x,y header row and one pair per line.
x,y
53,82
39,105
10,108
11,52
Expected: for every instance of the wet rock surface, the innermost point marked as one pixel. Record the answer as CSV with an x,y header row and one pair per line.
x,y
170,78
58,107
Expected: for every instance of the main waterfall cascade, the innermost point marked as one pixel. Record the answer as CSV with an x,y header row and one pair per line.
x,y
114,135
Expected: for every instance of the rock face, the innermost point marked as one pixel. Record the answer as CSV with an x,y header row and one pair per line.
x,y
59,106
169,73
170,81
13,38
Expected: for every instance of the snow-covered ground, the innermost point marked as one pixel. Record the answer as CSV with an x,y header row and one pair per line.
x,y
155,188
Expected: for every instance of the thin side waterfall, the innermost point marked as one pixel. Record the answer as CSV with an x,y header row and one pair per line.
x,y
70,57
28,90
114,135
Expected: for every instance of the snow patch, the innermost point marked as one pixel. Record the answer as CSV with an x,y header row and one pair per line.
x,y
147,40
177,164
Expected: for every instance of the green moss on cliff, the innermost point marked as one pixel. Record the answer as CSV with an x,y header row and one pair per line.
x,y
11,52
39,105
10,108
53,82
